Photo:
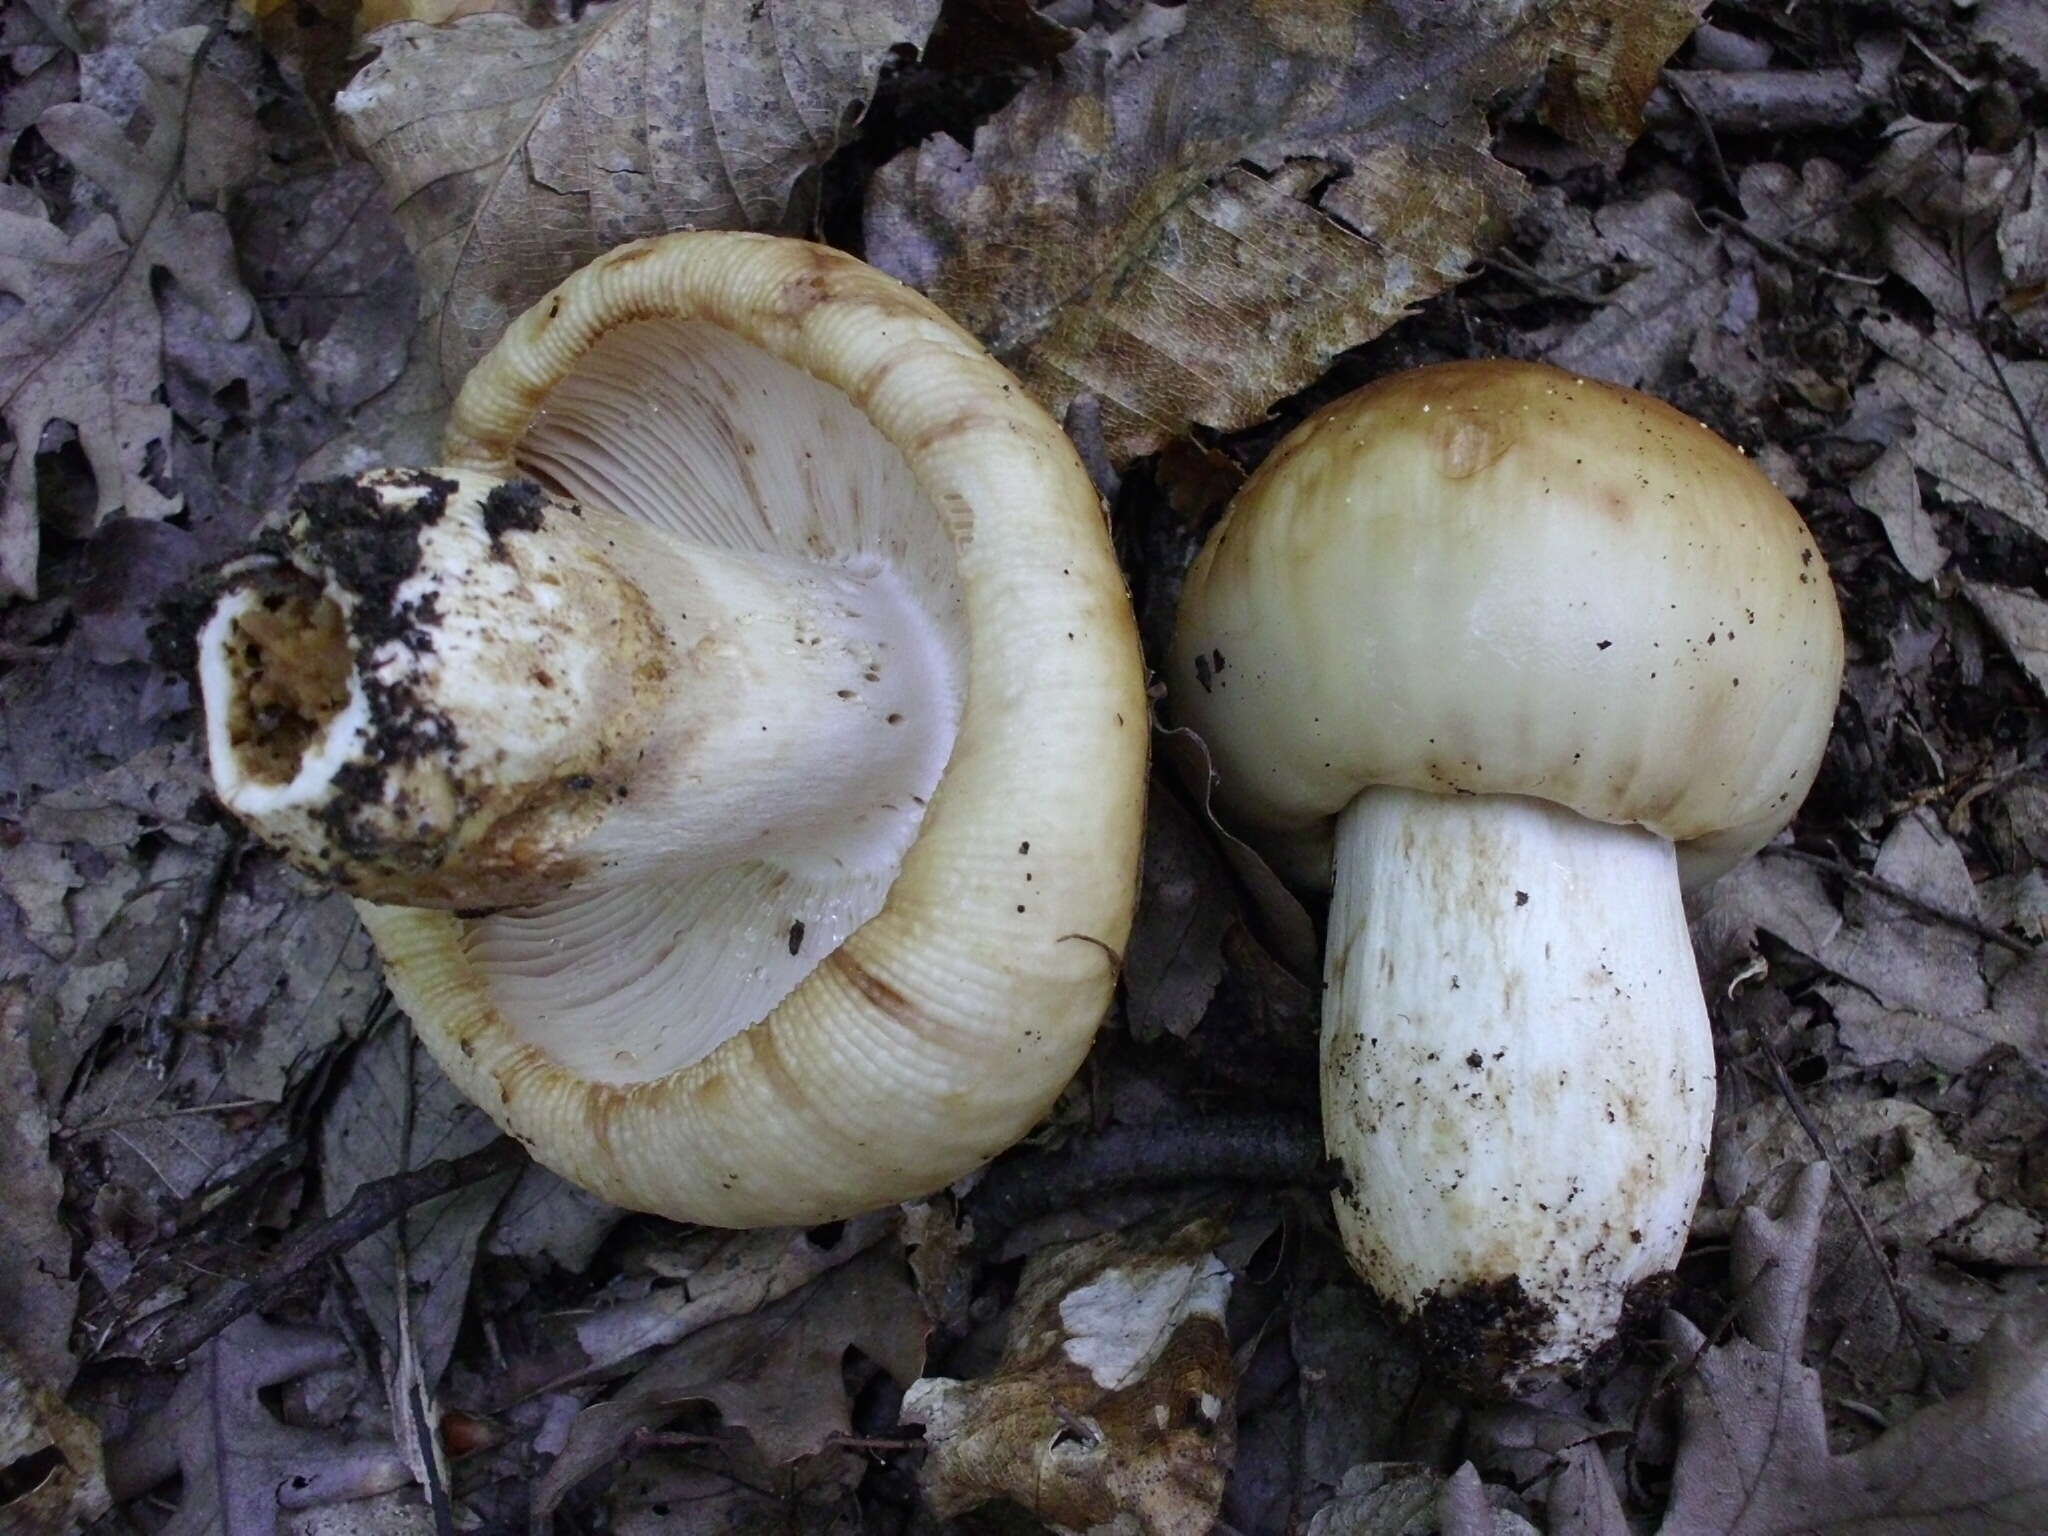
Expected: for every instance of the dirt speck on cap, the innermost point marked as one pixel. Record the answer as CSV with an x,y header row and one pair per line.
x,y
517,506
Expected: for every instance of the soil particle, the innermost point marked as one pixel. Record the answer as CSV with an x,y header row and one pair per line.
x,y
514,507
369,546
1479,1335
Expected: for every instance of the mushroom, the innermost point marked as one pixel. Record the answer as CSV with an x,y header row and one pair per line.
x,y
1505,657
737,746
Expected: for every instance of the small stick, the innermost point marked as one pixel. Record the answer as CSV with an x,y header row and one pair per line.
x,y
1242,1148
1784,252
374,1206
1789,1091
1906,898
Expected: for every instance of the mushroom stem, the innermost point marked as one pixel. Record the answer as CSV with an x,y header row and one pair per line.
x,y
1518,1075
444,690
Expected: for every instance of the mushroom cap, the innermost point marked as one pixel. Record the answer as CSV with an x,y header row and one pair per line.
x,y
945,1024
1500,578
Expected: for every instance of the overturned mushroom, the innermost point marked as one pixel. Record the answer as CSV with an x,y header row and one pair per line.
x,y
738,745
1506,654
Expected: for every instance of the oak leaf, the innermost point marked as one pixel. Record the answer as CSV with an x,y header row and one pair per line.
x,y
86,343
241,1465
1754,1458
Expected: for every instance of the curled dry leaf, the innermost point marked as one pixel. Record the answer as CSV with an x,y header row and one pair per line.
x,y
50,1478
1196,210
1114,1402
516,154
86,343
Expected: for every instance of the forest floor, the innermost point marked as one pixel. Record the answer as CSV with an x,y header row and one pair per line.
x,y
1829,242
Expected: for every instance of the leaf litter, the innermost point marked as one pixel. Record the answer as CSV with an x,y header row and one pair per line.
x,y
1185,226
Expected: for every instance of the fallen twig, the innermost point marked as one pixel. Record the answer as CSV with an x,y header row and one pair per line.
x,y
372,1207
1760,100
1905,898
1789,1091
1238,1149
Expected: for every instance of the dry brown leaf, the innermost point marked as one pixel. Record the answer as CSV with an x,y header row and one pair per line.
x,y
2020,620
1916,1188
51,1482
1398,1499
395,1111
777,1373
1174,959
1754,1457
1889,491
723,1275
1194,212
38,1295
86,343
1674,284
1977,416
515,154
1114,1399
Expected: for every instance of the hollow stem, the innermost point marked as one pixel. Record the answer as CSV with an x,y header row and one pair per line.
x,y
444,690
1518,1076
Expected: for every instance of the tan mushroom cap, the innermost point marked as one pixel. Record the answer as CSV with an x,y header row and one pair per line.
x,y
940,1029
1498,578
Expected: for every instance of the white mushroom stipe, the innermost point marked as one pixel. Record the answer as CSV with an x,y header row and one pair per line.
x,y
1518,1075
739,748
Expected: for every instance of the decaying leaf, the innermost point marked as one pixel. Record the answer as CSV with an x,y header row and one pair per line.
x,y
1917,1189
1673,285
51,1482
1359,1378
1174,959
1890,492
1113,1407
736,1491
777,1373
1197,209
1977,416
721,1275
241,1465
1915,987
2020,620
1754,1457
515,154
37,1292
85,344
1393,1499
395,1111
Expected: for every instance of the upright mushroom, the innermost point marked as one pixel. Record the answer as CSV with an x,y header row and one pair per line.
x,y
738,746
1505,656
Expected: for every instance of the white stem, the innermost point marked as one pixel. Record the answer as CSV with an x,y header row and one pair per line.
x,y
1518,1075
493,714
